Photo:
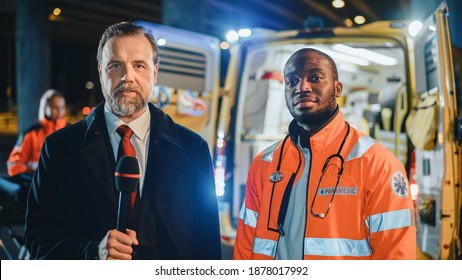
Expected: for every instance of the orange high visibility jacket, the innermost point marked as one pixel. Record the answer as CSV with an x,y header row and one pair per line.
x,y
371,216
25,154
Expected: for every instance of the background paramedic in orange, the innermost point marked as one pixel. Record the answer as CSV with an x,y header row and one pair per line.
x,y
327,191
52,116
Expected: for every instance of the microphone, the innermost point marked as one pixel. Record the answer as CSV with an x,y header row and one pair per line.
x,y
127,178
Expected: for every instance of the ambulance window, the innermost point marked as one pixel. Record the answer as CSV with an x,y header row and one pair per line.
x,y
430,64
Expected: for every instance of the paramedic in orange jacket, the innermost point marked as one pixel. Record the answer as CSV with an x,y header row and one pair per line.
x,y
24,157
327,191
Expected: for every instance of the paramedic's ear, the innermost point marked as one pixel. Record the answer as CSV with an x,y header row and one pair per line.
x,y
338,88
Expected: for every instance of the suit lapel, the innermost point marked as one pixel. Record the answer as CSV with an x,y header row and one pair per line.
x,y
96,157
164,185
173,201
97,152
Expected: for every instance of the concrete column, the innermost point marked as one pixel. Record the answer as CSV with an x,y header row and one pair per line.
x,y
185,14
32,58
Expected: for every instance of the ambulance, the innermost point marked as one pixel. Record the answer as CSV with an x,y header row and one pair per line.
x,y
188,80
400,86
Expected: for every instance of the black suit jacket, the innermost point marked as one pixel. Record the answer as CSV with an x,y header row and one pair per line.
x,y
73,202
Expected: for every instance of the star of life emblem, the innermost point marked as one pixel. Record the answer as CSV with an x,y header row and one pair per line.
x,y
399,184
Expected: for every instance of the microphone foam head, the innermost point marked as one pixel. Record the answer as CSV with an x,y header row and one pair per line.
x,y
127,174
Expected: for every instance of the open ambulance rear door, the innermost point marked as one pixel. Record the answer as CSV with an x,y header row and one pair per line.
x,y
434,130
188,79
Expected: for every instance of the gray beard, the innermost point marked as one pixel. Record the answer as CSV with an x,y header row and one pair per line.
x,y
126,107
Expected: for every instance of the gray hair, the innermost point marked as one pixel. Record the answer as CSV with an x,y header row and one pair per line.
x,y
127,29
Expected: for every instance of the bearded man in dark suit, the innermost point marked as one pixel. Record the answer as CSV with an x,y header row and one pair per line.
x,y
72,206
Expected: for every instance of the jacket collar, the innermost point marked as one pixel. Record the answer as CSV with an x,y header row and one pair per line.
x,y
162,126
323,137
97,150
95,122
50,126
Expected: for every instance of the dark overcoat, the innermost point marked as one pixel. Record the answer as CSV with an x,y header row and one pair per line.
x,y
73,202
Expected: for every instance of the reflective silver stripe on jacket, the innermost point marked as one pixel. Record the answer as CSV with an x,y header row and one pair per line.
x,y
268,153
33,164
264,246
337,247
390,220
249,217
361,147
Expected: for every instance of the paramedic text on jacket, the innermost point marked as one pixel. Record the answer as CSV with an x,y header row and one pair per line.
x,y
363,187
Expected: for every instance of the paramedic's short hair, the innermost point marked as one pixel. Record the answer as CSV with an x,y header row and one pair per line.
x,y
331,61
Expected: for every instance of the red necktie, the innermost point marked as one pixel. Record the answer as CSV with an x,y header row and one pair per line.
x,y
126,149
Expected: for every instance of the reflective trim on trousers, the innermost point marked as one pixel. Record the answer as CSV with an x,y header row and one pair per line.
x,y
390,220
249,217
337,247
264,247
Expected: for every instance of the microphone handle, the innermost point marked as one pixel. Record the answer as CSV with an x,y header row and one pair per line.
x,y
123,211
